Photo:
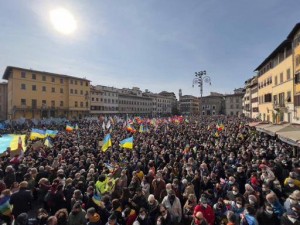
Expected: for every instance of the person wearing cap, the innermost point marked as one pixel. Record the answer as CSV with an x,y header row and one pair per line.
x,y
172,203
92,217
290,218
293,199
77,215
206,210
21,200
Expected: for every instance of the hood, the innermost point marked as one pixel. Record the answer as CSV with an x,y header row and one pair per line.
x,y
95,218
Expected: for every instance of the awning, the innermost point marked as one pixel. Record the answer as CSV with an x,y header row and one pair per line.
x,y
260,127
273,129
254,124
290,135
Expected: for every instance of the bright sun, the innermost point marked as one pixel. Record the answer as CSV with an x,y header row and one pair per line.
x,y
63,21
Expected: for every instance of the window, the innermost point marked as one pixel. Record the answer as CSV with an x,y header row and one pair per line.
x,y
44,103
61,104
61,80
76,104
71,91
33,103
81,104
33,76
34,87
53,90
43,78
87,84
297,60
75,82
61,90
53,79
288,74
92,99
71,81
23,86
297,78
288,96
297,100
281,77
81,92
231,106
23,74
281,99
52,103
268,98
23,102
81,83
237,106
44,88
76,91
276,80
275,101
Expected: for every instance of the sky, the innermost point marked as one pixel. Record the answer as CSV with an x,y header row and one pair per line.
x,y
152,44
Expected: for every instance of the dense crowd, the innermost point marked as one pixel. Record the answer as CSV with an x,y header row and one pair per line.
x,y
189,172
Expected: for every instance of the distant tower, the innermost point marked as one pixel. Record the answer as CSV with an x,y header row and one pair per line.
x,y
180,94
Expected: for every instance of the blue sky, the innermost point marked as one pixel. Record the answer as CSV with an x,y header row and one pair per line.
x,y
152,44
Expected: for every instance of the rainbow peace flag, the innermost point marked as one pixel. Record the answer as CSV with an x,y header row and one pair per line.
x,y
69,128
127,143
12,141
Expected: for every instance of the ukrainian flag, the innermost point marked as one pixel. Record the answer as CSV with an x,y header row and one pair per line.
x,y
48,143
69,128
127,143
106,143
37,133
51,133
12,141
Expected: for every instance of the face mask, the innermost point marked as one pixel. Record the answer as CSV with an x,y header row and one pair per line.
x,y
293,201
251,202
230,182
158,223
239,206
291,185
142,217
205,205
158,179
269,211
235,192
123,214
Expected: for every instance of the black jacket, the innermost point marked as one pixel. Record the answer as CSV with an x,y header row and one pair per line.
x,y
21,201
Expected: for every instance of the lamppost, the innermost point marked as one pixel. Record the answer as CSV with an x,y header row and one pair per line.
x,y
200,78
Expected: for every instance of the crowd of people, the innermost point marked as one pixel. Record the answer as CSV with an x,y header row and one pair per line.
x,y
183,173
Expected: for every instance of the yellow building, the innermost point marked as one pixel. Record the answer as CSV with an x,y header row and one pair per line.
x,y
38,94
275,85
294,36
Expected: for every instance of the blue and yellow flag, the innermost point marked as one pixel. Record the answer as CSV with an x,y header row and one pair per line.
x,y
48,143
51,133
12,141
37,133
106,143
127,143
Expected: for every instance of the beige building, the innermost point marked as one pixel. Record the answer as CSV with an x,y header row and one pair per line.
x,y
234,103
3,101
188,104
39,94
250,99
104,100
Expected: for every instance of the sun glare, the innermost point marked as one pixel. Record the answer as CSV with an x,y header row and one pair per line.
x,y
63,21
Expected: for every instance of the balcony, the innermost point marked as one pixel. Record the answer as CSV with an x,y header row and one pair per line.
x,y
279,105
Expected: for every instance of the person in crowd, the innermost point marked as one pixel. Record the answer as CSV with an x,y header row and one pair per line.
x,y
77,215
93,217
199,219
266,215
172,203
206,210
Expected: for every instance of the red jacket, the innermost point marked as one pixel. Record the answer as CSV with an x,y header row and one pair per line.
x,y
208,213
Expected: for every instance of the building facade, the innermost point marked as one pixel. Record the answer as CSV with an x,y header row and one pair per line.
x,y
212,104
3,101
294,36
254,98
38,94
234,103
247,107
275,85
188,104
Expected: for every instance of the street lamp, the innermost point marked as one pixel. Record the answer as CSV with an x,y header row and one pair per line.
x,y
200,78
